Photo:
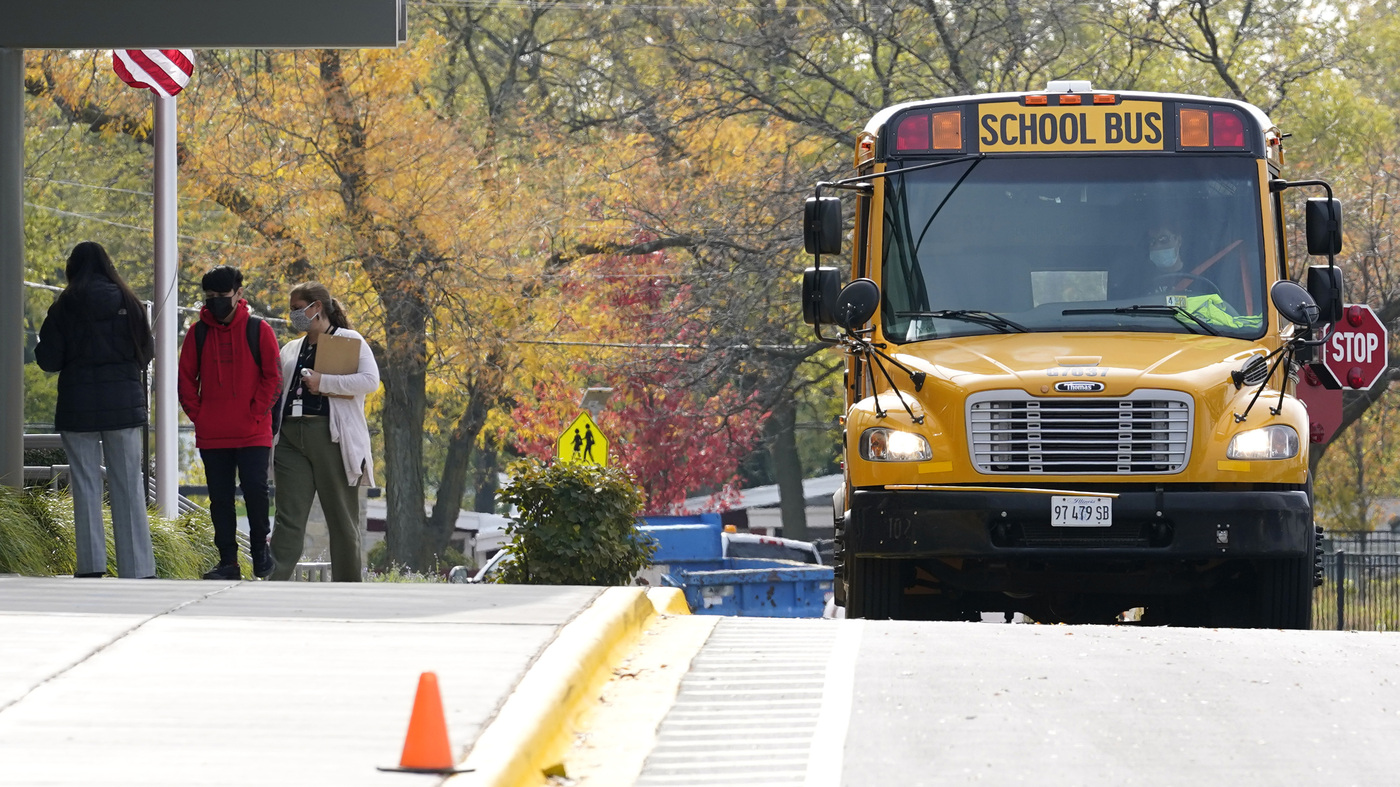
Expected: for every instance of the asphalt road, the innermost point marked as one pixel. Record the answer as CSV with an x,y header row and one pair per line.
x,y
905,703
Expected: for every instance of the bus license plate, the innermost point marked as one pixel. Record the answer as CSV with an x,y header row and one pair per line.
x,y
1081,511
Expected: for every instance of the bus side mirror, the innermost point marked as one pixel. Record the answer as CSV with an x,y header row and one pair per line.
x,y
1325,287
820,288
856,304
1323,219
821,225
1294,303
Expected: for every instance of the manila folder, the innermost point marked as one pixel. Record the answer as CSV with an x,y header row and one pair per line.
x,y
337,354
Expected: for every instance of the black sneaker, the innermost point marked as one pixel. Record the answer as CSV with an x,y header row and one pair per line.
x,y
224,571
263,564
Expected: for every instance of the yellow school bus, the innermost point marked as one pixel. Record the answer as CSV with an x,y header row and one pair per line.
x,y
1071,341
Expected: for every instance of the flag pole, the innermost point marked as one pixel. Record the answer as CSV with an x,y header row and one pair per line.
x,y
167,269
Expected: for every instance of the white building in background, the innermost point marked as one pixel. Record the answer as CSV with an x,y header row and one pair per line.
x,y
478,536
757,507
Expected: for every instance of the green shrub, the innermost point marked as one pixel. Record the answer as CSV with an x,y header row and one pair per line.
x,y
398,573
377,558
26,545
36,538
577,526
184,547
53,511
382,569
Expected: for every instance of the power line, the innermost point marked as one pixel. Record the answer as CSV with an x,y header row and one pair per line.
x,y
89,186
95,187
149,304
90,217
584,6
662,346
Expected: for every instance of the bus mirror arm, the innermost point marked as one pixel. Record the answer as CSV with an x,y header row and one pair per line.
x,y
1322,220
814,215
855,307
873,353
1278,357
1287,353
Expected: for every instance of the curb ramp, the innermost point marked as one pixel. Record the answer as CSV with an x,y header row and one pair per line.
x,y
529,736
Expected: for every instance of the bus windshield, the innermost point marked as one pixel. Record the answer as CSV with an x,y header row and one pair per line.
x,y
1126,243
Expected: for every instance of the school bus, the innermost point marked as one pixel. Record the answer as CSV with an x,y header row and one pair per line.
x,y
1071,339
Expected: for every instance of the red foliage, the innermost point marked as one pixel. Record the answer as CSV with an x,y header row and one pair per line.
x,y
677,440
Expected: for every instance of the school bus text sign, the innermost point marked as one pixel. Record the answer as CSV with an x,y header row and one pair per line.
x,y
1008,127
582,442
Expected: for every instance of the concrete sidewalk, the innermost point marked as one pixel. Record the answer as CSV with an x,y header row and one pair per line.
x,y
190,683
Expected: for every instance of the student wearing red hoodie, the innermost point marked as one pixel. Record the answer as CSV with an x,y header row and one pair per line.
x,y
228,392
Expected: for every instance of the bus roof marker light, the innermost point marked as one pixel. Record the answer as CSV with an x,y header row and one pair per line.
x,y
865,148
1227,130
1070,100
1036,101
1104,98
913,133
947,130
1195,128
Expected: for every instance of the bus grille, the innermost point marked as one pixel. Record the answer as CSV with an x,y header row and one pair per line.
x,y
1148,432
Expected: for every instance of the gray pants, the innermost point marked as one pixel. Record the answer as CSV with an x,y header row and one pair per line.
x,y
121,449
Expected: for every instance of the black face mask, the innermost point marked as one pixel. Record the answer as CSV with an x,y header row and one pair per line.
x,y
220,306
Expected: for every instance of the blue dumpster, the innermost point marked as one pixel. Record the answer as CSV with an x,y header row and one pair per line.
x,y
690,555
795,590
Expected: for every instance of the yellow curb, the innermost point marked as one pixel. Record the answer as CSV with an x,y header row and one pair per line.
x,y
534,728
668,601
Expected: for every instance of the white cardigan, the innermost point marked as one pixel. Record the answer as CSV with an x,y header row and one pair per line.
x,y
349,428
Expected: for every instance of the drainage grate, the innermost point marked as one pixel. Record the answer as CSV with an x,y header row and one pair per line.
x,y
747,709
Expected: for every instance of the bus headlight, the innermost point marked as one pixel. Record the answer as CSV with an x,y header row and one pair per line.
x,y
891,445
1271,442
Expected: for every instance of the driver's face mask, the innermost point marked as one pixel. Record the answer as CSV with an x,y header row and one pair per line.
x,y
1163,248
1163,258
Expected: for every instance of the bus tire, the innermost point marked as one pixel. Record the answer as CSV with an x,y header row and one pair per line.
x,y
874,588
838,547
1286,592
1286,585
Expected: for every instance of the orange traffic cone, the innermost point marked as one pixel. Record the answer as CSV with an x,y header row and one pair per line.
x,y
426,748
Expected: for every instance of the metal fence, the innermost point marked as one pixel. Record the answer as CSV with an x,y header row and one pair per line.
x,y
1375,542
1360,591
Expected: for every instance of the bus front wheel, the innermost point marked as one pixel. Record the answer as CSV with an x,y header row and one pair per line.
x,y
874,588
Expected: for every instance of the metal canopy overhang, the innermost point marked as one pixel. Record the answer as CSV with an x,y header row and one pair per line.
x,y
203,24
137,24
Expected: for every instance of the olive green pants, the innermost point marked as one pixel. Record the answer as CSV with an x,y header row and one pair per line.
x,y
306,464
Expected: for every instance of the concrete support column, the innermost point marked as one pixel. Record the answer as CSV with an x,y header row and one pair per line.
x,y
12,267
165,314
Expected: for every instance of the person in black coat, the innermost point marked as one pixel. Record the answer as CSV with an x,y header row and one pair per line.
x,y
98,339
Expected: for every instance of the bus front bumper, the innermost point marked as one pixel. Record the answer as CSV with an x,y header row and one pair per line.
x,y
1194,524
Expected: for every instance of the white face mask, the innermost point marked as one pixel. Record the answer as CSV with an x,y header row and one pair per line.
x,y
1163,258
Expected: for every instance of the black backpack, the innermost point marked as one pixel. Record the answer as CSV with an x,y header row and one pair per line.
x,y
201,329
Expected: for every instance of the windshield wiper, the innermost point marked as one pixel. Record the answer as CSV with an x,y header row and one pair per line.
x,y
971,315
1154,309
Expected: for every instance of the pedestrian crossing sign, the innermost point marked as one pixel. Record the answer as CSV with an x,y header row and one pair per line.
x,y
583,443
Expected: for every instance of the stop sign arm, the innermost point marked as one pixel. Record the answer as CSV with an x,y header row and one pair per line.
x,y
1355,354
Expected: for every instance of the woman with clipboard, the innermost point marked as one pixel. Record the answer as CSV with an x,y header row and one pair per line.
x,y
322,447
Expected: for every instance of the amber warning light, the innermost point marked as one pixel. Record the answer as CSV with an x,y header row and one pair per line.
x,y
922,132
1210,128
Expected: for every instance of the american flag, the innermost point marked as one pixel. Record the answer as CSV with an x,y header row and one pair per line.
x,y
164,71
